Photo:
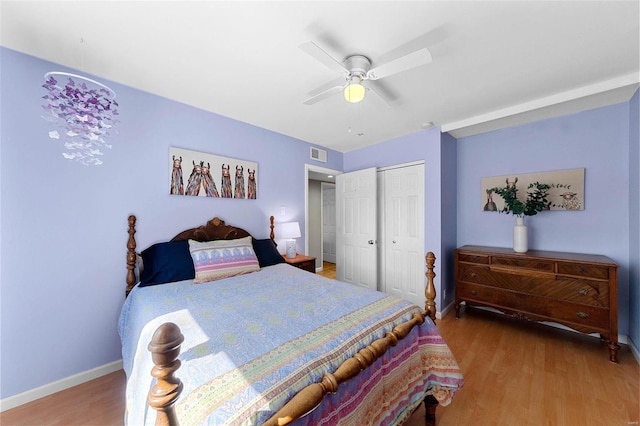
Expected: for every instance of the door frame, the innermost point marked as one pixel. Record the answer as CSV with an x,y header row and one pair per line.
x,y
307,169
324,185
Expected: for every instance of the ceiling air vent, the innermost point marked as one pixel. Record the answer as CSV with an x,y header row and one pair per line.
x,y
318,154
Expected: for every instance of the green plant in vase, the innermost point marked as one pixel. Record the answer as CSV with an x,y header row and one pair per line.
x,y
535,202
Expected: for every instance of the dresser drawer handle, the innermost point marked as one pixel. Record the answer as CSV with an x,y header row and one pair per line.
x,y
582,315
473,292
473,275
583,291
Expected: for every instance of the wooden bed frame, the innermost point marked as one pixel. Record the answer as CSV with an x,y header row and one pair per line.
x,y
166,341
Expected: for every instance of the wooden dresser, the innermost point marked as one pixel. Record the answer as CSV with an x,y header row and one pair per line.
x,y
577,290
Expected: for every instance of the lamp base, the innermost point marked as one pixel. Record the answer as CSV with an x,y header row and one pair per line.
x,y
291,249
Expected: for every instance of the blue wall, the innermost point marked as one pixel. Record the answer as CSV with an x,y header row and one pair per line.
x,y
597,140
64,225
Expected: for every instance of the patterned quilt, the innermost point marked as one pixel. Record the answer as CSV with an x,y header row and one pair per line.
x,y
253,341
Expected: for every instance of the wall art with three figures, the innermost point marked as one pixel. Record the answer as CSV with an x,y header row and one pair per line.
x,y
199,174
566,188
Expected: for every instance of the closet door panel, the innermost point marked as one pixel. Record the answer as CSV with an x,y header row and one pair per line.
x,y
403,242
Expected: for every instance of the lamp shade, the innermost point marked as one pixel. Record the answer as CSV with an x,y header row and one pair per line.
x,y
289,230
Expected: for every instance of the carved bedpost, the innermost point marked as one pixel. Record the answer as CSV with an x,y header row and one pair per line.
x,y
430,405
131,254
272,234
430,290
165,348
430,402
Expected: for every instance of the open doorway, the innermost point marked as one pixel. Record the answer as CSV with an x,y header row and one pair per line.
x,y
320,183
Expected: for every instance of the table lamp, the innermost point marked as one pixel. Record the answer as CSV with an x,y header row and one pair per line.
x,y
289,231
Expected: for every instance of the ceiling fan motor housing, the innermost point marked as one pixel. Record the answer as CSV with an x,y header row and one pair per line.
x,y
358,65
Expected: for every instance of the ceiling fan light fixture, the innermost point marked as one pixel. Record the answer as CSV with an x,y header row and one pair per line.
x,y
354,91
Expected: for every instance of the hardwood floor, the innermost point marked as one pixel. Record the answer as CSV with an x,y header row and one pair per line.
x,y
520,373
328,270
98,402
515,374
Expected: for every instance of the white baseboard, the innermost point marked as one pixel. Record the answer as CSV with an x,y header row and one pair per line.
x,y
634,350
441,314
60,385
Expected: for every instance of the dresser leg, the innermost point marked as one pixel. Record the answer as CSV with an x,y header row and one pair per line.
x,y
613,352
457,307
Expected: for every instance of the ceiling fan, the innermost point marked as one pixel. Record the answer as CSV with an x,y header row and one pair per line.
x,y
356,69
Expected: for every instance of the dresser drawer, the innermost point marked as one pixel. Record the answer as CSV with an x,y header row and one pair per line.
x,y
534,264
592,271
473,258
536,306
588,292
585,292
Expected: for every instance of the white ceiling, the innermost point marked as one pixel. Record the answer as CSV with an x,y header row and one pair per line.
x,y
495,64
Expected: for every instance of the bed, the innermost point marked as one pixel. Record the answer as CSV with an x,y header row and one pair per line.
x,y
247,339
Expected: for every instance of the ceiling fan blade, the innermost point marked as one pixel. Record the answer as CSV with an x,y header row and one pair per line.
x,y
403,63
379,90
323,94
314,50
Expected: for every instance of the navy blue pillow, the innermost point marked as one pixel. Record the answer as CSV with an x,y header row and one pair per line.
x,y
266,252
166,263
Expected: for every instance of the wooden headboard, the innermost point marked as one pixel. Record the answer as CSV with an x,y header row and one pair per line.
x,y
215,229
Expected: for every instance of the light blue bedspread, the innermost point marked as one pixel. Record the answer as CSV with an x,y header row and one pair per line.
x,y
252,341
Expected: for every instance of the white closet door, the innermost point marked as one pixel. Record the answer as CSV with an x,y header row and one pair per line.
x,y
404,233
356,223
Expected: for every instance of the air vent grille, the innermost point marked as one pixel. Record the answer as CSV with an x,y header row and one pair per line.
x,y
318,154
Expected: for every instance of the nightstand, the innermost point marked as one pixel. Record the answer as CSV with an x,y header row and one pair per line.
x,y
307,263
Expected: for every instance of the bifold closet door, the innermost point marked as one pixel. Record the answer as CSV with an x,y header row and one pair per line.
x,y
403,242
356,228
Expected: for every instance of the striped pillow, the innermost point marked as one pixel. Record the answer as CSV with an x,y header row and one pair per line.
x,y
218,259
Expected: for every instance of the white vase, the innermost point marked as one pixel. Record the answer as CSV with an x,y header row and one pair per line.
x,y
520,236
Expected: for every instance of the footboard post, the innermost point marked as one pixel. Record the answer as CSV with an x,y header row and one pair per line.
x,y
272,225
165,348
131,254
430,404
430,289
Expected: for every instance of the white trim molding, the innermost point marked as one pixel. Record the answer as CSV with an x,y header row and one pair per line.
x,y
634,350
599,94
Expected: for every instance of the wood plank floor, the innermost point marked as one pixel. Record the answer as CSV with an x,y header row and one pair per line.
x,y
328,270
515,374
528,374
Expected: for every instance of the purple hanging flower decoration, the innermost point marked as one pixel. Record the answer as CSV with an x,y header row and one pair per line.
x,y
83,116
